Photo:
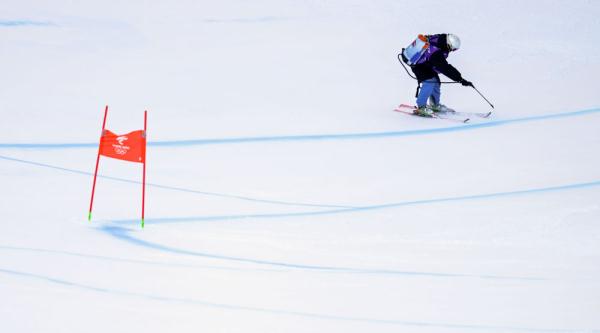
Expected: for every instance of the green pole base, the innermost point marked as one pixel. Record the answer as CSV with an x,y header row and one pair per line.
x,y
90,216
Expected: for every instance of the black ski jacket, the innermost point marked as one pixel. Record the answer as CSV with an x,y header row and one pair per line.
x,y
436,61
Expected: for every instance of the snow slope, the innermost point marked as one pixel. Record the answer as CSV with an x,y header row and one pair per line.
x,y
284,194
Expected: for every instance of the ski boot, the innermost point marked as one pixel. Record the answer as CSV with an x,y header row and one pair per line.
x,y
439,108
423,111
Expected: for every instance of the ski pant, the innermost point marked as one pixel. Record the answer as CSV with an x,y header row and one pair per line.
x,y
430,88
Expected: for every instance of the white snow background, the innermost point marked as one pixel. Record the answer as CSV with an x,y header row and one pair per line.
x,y
284,194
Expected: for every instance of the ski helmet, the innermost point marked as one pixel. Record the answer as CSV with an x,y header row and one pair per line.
x,y
453,42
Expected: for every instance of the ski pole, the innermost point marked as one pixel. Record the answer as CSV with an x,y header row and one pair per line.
x,y
483,96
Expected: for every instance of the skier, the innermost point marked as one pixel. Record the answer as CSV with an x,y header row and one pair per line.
x,y
426,68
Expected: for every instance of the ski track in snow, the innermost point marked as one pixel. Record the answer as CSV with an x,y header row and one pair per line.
x,y
172,188
320,137
337,208
199,302
132,261
25,23
124,234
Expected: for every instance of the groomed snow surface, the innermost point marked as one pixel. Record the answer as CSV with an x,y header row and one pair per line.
x,y
283,194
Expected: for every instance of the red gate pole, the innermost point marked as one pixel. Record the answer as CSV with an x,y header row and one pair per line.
x,y
97,162
144,172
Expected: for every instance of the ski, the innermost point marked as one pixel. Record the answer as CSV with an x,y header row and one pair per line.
x,y
408,109
457,113
469,114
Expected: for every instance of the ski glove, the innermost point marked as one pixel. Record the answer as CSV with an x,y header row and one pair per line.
x,y
466,83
